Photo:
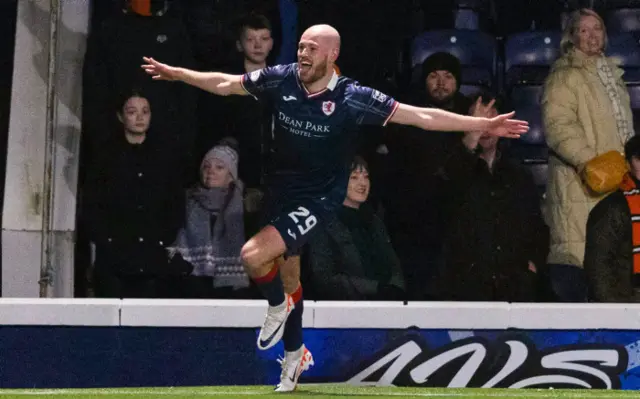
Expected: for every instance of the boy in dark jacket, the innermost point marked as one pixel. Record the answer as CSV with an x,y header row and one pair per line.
x,y
612,254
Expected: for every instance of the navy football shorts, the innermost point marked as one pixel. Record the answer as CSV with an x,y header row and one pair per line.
x,y
298,219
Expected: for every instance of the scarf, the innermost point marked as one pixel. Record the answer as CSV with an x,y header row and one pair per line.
x,y
611,85
632,195
213,235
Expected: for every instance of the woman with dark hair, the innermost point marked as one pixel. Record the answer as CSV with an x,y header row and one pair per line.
x,y
132,191
352,258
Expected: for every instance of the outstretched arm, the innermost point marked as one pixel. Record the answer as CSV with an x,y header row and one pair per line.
x,y
218,83
441,120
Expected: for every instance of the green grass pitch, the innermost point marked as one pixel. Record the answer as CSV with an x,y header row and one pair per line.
x,y
311,391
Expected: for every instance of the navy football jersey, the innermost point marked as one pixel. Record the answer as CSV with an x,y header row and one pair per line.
x,y
313,133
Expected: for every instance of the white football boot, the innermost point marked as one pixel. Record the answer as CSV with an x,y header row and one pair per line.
x,y
273,327
293,364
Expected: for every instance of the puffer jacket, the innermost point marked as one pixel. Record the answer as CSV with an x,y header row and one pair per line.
x,y
579,123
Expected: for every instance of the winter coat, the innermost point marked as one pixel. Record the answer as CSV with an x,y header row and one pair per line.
x,y
338,269
579,125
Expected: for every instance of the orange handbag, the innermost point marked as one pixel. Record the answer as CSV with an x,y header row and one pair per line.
x,y
604,173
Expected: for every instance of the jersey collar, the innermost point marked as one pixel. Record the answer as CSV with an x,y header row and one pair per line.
x,y
330,86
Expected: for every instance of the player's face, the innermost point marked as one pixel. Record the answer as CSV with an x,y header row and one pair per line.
x,y
136,115
590,35
215,174
256,44
313,60
359,185
441,85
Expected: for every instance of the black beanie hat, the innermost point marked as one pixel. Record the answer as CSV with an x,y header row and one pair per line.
x,y
442,61
632,148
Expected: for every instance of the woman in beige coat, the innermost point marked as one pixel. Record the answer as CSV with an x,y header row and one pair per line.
x,y
586,113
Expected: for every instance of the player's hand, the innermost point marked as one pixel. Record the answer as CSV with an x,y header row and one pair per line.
x,y
479,110
504,126
160,71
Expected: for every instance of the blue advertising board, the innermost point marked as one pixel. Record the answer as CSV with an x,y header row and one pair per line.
x,y
79,357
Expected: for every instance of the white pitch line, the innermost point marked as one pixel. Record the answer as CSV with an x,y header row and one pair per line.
x,y
170,392
176,392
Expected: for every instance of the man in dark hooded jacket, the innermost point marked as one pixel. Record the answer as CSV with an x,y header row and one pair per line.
x,y
416,185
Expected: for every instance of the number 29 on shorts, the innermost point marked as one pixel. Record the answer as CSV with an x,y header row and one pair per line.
x,y
303,219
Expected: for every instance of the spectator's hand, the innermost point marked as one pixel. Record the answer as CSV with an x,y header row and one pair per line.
x,y
160,71
532,267
479,110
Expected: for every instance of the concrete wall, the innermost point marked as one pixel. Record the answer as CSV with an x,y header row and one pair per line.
x,y
22,230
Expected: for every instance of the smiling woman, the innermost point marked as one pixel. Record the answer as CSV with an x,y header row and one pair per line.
x,y
587,113
359,184
352,257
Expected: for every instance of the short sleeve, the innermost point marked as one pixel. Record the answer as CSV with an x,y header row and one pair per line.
x,y
264,82
370,106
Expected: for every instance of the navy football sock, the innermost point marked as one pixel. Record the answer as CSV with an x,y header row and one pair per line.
x,y
293,329
271,287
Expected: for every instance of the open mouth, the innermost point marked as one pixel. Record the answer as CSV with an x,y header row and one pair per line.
x,y
305,65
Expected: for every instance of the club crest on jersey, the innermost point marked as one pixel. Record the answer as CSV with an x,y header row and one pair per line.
x,y
328,107
255,75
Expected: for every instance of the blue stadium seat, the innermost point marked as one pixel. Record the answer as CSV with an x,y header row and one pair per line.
x,y
531,147
533,115
617,4
471,14
623,20
634,95
529,55
475,50
625,47
466,18
525,96
473,90
539,171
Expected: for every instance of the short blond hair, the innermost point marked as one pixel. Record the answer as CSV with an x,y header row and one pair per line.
x,y
568,41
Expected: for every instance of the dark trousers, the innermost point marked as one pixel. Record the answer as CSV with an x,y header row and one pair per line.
x,y
420,265
107,284
569,283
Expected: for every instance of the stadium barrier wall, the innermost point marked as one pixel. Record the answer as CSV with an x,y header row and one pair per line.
x,y
76,343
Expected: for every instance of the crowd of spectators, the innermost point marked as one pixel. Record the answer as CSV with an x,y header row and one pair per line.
x,y
173,177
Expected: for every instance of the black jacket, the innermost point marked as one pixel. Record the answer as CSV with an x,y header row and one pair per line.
x,y
608,258
132,200
417,190
495,228
338,270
